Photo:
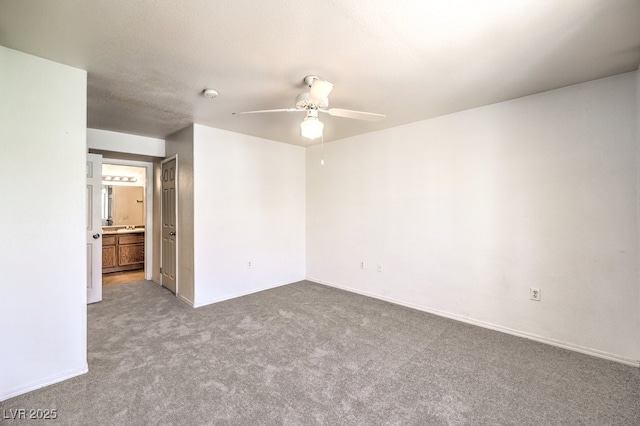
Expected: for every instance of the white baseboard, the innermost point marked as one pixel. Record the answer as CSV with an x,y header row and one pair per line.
x,y
507,330
246,293
45,382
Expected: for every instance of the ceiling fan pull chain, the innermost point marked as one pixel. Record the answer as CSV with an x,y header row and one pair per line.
x,y
322,151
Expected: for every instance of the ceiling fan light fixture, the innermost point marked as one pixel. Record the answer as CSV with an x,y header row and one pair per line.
x,y
311,127
314,102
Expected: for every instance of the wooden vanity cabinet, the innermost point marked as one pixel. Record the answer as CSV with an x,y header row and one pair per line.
x,y
122,252
109,255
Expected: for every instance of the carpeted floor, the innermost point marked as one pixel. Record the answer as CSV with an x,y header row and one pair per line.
x,y
306,354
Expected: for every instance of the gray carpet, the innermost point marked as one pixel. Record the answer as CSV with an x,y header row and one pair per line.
x,y
306,354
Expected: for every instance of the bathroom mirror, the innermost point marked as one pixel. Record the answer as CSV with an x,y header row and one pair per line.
x,y
122,205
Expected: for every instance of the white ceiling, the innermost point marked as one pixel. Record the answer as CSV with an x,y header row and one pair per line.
x,y
149,60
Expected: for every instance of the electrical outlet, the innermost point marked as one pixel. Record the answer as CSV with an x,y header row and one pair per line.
x,y
379,268
249,264
362,264
534,293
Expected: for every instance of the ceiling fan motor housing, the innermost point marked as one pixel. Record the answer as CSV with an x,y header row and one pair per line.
x,y
303,102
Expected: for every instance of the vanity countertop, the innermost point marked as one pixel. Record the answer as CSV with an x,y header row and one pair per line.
x,y
122,231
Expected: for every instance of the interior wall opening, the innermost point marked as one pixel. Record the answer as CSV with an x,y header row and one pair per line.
x,y
125,221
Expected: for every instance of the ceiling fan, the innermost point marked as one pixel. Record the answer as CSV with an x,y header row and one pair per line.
x,y
314,102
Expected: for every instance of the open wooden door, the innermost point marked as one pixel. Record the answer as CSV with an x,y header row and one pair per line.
x,y
169,229
94,228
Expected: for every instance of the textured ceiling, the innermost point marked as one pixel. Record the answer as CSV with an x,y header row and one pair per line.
x,y
148,61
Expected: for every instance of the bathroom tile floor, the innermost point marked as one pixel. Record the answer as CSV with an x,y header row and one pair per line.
x,y
115,278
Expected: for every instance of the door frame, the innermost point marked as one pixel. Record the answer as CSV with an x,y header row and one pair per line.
x,y
148,194
177,191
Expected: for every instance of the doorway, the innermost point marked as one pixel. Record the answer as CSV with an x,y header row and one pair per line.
x,y
126,220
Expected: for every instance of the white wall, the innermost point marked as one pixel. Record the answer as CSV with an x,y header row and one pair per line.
x,y
249,207
467,211
105,140
43,322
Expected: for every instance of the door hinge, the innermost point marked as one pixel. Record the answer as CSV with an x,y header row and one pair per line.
x,y
161,269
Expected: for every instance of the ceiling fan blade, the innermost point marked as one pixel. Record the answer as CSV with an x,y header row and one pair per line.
x,y
358,115
267,110
319,92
